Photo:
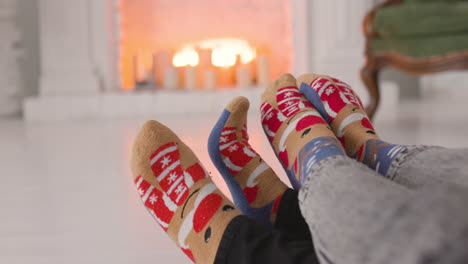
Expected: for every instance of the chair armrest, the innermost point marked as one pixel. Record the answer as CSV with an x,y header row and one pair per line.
x,y
368,24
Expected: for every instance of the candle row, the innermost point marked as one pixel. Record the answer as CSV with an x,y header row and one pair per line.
x,y
204,75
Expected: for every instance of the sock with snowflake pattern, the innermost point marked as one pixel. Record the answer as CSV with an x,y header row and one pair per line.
x,y
255,188
178,192
297,132
344,111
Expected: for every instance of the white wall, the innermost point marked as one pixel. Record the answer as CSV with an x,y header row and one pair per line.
x,y
10,88
27,21
19,54
328,39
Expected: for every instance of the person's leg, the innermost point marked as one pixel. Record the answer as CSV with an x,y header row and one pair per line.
x,y
178,193
300,137
358,217
256,189
431,166
412,166
289,219
248,242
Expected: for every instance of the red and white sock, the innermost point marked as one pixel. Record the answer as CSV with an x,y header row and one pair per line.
x,y
178,192
291,124
254,186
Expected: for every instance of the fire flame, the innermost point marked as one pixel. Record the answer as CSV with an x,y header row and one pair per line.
x,y
224,53
188,56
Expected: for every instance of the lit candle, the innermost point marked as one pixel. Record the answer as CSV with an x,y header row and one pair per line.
x,y
145,77
210,79
171,78
190,78
243,76
163,61
263,71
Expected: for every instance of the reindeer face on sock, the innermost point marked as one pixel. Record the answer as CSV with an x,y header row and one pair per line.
x,y
204,209
298,118
352,118
184,202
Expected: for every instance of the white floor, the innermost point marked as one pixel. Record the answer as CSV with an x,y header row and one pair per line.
x,y
66,194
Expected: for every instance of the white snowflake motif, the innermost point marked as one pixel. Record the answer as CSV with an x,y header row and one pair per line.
x,y
223,140
289,103
269,116
329,90
288,94
172,177
153,199
233,148
165,161
292,110
141,192
180,189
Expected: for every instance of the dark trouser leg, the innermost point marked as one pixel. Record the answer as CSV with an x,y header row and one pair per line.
x,y
289,218
245,242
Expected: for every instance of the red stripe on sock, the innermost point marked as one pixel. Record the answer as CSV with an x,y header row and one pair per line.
x,y
205,211
189,254
367,124
251,194
277,203
283,155
309,121
197,172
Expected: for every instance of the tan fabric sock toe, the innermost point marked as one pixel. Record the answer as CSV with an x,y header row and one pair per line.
x,y
178,193
257,181
344,111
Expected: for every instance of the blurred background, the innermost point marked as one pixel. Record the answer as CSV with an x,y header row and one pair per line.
x,y
78,78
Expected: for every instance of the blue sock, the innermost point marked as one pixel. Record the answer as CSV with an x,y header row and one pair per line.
x,y
255,188
313,153
379,155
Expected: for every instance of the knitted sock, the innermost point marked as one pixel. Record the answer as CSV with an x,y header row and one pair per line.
x,y
178,192
255,188
298,134
343,110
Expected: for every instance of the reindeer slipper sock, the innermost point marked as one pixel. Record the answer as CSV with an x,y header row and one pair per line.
x,y
255,188
299,135
179,194
343,110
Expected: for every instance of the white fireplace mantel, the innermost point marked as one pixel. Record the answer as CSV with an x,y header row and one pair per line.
x,y
80,50
78,47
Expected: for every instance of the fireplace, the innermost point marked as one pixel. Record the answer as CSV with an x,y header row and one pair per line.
x,y
118,58
203,45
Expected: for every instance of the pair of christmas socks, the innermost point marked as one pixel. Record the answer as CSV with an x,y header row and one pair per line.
x,y
181,197
318,117
300,124
344,111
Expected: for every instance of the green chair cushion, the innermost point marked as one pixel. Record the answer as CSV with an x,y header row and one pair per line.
x,y
422,47
414,20
433,1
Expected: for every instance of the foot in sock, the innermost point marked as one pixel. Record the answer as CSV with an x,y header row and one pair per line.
x,y
255,188
299,135
344,111
178,192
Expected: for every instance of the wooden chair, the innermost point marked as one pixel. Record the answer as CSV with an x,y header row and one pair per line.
x,y
377,58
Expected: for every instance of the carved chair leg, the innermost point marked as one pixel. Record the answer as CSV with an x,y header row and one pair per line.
x,y
369,75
